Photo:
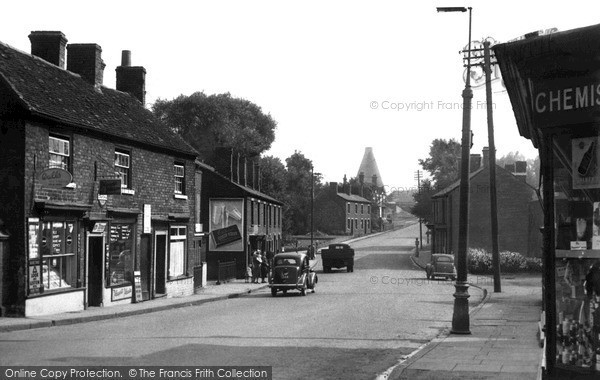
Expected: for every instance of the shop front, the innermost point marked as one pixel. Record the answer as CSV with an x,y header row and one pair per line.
x,y
553,82
54,260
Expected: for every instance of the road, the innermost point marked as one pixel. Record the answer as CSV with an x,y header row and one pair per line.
x,y
355,326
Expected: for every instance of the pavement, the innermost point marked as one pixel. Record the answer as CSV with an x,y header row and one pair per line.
x,y
210,293
503,343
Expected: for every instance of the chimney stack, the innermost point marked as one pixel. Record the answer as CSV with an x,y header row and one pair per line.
x,y
521,170
333,186
486,156
131,79
86,60
50,46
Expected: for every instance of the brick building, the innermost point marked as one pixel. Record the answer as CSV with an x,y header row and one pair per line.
x,y
345,213
94,191
519,211
240,217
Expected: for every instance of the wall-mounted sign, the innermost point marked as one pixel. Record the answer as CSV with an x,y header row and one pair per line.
x,y
102,199
147,219
121,293
110,186
99,227
137,282
227,235
586,163
226,224
55,178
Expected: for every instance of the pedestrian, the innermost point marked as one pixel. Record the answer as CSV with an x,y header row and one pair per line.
x,y
264,267
256,263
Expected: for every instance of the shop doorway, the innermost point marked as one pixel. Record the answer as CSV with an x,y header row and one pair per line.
x,y
95,249
145,264
160,255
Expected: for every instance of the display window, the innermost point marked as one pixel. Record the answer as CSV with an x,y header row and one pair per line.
x,y
577,248
52,255
121,253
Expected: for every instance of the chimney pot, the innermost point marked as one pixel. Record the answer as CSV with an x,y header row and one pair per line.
x,y
126,58
486,156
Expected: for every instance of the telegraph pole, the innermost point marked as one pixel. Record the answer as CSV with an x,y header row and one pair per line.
x,y
418,178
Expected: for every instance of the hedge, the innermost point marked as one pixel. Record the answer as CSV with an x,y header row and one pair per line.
x,y
480,262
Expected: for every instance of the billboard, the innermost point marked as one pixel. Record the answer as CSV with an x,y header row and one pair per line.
x,y
226,223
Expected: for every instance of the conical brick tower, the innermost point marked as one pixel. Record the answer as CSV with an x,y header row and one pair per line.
x,y
368,167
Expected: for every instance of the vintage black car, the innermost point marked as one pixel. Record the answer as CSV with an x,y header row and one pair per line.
x,y
291,271
441,265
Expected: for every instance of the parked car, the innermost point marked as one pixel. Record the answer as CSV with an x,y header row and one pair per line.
x,y
337,256
291,271
441,265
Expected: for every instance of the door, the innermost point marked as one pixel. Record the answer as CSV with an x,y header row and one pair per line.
x,y
145,264
160,255
95,249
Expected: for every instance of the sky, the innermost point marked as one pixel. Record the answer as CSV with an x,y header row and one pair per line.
x,y
336,76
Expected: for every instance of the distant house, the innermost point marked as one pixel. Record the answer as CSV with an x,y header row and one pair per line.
x,y
519,211
93,188
346,213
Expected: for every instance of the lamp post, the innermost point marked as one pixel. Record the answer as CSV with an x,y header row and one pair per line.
x,y
460,317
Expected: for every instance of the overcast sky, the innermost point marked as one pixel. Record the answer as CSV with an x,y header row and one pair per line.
x,y
333,74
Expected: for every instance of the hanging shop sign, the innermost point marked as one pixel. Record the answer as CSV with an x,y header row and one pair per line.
x,y
110,186
55,178
553,80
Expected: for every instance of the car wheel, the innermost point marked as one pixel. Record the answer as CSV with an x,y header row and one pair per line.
x,y
452,278
303,291
273,292
428,275
349,269
284,291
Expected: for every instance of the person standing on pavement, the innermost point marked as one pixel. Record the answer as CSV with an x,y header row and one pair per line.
x,y
264,267
256,264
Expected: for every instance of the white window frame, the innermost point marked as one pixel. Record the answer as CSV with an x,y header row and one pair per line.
x,y
179,178
63,142
125,181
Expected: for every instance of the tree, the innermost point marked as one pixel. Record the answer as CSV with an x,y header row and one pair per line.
x,y
297,199
423,203
443,166
209,122
274,174
443,162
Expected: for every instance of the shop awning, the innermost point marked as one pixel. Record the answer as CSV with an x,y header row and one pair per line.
x,y
553,80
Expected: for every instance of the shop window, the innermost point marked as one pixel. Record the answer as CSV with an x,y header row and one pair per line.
x,y
178,239
60,153
123,167
121,251
58,247
179,172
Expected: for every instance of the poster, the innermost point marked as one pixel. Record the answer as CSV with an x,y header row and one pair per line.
x,y
35,281
226,223
585,163
34,233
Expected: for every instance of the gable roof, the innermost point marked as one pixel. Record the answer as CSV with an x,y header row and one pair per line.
x,y
353,198
456,184
248,190
50,92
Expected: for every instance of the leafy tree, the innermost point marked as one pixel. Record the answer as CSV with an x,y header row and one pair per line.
x,y
443,166
209,122
298,186
423,202
442,163
274,177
